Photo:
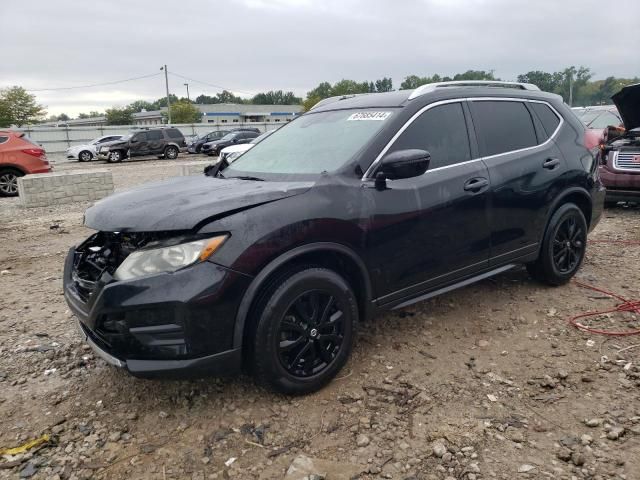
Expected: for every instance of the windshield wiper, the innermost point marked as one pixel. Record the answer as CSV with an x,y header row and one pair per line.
x,y
249,178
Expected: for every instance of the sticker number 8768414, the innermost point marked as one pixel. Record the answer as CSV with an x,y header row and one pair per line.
x,y
380,116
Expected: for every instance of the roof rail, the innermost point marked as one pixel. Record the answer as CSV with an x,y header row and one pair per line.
x,y
336,98
430,87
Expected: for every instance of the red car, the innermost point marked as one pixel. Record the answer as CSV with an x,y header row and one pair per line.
x,y
596,120
620,151
19,156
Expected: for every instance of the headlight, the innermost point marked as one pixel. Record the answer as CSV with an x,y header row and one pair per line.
x,y
167,259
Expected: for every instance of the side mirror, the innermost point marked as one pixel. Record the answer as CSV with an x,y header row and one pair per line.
x,y
134,140
402,164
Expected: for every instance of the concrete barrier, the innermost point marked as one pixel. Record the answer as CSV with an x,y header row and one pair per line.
x,y
193,168
46,189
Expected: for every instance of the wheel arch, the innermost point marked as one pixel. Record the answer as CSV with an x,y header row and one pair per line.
x,y
12,166
335,256
577,195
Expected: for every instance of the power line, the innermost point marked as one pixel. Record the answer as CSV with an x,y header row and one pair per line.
x,y
94,84
210,84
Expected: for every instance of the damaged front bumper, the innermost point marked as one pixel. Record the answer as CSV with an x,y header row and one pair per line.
x,y
166,325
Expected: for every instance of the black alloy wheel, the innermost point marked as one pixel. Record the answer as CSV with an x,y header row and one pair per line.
x,y
302,329
311,334
568,245
563,247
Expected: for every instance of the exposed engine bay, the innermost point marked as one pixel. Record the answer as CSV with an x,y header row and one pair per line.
x,y
103,253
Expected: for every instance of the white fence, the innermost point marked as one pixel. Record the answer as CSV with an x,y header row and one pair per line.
x,y
58,139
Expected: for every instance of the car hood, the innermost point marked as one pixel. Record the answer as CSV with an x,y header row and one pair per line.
x,y
627,101
182,203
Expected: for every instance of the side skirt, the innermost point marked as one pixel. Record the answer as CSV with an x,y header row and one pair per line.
x,y
453,286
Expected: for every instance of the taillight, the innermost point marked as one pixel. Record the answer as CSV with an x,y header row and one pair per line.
x,y
36,152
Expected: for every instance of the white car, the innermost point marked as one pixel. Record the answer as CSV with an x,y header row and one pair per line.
x,y
234,151
86,153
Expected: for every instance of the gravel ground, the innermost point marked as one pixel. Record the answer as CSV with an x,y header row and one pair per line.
x,y
488,381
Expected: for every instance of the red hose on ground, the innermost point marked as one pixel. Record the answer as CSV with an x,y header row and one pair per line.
x,y
627,306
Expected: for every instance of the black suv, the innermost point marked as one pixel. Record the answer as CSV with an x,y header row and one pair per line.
x,y
196,145
233,138
164,142
364,204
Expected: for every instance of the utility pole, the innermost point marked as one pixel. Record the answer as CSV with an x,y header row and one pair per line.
x,y
570,89
166,83
187,85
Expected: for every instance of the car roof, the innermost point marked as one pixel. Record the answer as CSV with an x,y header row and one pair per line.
x,y
433,92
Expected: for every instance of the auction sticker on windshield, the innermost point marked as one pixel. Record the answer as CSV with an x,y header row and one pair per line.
x,y
380,116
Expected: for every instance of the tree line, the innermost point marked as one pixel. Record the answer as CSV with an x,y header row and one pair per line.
x,y
574,84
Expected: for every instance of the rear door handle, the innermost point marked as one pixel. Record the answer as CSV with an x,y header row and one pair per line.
x,y
551,163
475,184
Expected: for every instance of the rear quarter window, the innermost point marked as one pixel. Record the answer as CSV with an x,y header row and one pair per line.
x,y
548,118
503,126
3,138
174,133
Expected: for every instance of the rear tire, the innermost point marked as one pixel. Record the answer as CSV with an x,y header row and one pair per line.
x,y
563,247
85,156
9,182
115,157
171,152
304,328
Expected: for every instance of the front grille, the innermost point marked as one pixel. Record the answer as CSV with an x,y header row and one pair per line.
x,y
629,161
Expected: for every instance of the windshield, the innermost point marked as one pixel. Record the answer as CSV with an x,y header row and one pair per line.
x,y
259,138
228,136
313,143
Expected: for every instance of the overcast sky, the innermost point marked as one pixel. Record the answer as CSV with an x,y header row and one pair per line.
x,y
249,46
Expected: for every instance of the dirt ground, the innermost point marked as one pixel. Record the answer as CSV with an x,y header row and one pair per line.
x,y
489,381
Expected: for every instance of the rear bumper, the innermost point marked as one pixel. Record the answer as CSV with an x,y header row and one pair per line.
x,y
167,325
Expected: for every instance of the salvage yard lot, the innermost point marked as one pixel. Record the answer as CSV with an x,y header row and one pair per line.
x,y
485,382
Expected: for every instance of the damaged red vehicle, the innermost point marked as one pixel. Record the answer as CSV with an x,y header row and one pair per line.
x,y
620,150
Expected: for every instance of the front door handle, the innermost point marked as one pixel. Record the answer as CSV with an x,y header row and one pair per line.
x,y
475,184
551,163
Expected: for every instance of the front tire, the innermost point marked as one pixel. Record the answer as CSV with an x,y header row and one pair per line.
x,y
304,329
115,157
563,247
85,156
171,153
9,182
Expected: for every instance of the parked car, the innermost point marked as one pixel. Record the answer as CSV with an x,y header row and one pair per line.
x,y
19,156
596,120
363,204
196,145
233,138
163,142
89,151
620,157
230,153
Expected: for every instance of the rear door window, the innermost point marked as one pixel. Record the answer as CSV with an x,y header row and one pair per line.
x,y
442,132
154,135
502,126
549,119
